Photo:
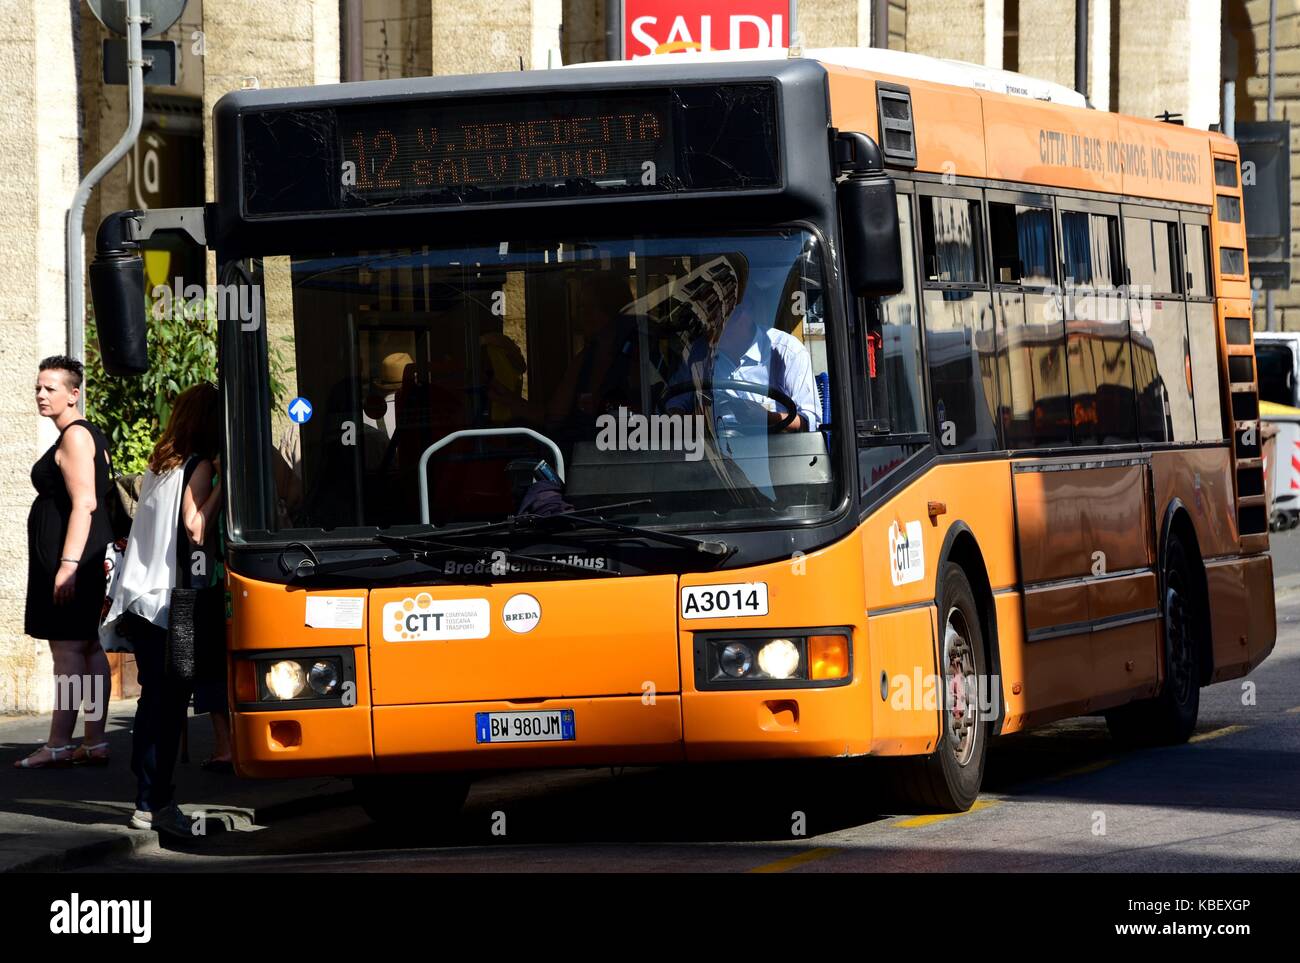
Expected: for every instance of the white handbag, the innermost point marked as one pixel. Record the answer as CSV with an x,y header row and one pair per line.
x,y
109,639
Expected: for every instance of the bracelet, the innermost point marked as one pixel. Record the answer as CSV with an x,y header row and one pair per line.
x,y
74,561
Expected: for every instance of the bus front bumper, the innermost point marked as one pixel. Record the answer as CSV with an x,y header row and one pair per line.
x,y
613,730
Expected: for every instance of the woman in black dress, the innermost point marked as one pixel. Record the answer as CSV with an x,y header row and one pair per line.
x,y
68,530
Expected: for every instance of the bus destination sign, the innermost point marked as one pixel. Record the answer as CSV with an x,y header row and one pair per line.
x,y
442,152
472,150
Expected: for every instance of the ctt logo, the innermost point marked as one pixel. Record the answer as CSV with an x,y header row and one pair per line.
x,y
75,916
426,619
906,553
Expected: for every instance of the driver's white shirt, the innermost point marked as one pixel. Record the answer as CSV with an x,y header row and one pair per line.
x,y
755,367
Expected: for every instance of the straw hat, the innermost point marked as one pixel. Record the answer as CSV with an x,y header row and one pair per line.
x,y
392,369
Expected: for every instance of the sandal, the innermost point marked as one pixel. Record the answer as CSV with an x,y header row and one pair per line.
x,y
96,755
60,758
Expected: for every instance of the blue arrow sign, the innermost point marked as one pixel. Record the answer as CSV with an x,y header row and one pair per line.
x,y
300,410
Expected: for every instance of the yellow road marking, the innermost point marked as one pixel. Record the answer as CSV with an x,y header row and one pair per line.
x,y
798,859
918,821
1216,733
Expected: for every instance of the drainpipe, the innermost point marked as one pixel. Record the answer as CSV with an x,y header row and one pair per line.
x,y
76,268
1081,47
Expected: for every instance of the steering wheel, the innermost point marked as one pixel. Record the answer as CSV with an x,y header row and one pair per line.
x,y
747,387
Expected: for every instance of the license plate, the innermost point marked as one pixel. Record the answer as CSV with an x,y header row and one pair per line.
x,y
533,725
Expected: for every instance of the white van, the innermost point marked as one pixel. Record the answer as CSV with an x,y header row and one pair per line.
x,y
1277,366
1277,363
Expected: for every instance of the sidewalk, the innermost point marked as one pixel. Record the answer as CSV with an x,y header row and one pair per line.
x,y
64,818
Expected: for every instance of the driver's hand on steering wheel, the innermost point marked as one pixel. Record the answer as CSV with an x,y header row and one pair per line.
x,y
775,418
747,410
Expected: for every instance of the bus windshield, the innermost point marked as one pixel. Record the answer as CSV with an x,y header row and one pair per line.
x,y
683,380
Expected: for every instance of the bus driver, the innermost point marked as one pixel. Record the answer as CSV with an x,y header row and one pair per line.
x,y
743,350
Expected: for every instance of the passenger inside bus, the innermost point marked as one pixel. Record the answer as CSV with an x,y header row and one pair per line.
x,y
604,373
504,367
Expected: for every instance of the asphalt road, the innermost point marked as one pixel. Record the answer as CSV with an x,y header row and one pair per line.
x,y
1285,548
1061,798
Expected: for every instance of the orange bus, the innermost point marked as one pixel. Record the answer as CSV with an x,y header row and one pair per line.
x,y
705,408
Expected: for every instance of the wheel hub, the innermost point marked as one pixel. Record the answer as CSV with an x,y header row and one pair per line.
x,y
960,701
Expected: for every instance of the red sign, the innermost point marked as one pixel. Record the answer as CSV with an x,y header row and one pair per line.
x,y
675,26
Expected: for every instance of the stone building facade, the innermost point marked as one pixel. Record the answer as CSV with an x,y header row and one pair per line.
x,y
1144,57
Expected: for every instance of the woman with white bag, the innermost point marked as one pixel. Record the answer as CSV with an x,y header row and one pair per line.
x,y
171,542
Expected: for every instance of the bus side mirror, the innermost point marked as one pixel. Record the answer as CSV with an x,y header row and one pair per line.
x,y
117,291
873,257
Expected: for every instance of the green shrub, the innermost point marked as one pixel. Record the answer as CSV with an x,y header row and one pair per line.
x,y
132,411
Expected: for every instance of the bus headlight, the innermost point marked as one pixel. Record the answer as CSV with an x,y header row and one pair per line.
x,y
323,677
277,679
806,657
780,659
285,679
736,659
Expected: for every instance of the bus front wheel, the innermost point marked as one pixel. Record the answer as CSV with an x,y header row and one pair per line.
x,y
424,804
948,780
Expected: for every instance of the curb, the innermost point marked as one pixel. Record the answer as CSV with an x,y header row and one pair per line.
x,y
84,854
129,841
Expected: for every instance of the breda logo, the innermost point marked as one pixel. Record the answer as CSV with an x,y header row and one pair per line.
x,y
521,613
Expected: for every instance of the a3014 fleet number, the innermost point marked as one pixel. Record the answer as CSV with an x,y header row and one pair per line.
x,y
724,601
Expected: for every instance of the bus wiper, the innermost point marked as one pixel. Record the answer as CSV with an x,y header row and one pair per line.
x,y
574,522
425,552
578,517
509,525
310,567
420,546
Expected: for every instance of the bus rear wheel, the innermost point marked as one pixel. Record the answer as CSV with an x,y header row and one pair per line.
x,y
419,804
1170,717
948,780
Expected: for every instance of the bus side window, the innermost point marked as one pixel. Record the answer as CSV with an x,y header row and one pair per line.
x,y
959,335
1034,409
1203,338
894,347
893,375
1202,330
1097,331
1197,247
1159,331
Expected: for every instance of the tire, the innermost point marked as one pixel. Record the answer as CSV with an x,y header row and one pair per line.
x,y
1170,717
948,780
421,805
